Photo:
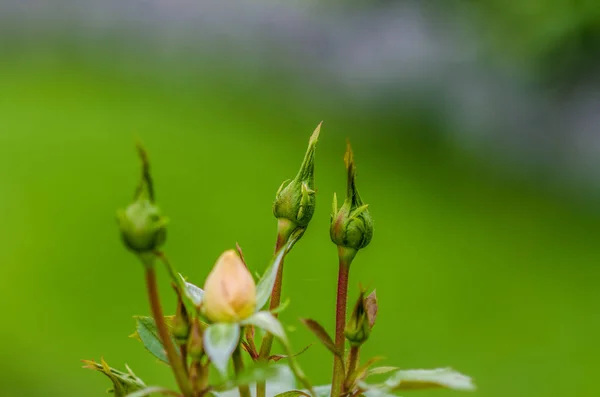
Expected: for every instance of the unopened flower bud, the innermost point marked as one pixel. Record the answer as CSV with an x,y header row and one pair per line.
x,y
351,225
229,291
361,321
195,347
181,322
143,228
295,200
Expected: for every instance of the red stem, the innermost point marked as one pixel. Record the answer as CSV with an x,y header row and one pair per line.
x,y
340,324
175,361
276,293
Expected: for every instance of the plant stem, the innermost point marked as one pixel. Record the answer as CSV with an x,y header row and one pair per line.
x,y
276,293
340,322
238,366
267,342
352,364
184,361
175,361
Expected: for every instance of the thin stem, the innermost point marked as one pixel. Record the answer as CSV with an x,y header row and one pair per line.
x,y
176,364
340,322
195,377
184,357
276,293
267,342
203,381
352,364
238,366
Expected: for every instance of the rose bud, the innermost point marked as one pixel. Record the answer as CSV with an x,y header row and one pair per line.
x,y
295,200
229,291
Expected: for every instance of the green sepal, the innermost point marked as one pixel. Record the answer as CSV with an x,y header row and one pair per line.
x,y
123,383
319,331
220,341
266,321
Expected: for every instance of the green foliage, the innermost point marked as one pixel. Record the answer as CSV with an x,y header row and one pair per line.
x,y
195,293
293,393
147,333
220,340
123,383
225,315
267,281
428,379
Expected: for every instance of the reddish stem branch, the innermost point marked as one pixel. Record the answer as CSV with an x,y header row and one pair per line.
x,y
340,323
178,370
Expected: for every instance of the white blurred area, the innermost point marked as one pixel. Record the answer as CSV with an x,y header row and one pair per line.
x,y
382,55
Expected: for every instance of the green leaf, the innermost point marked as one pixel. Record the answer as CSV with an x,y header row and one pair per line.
x,y
281,307
269,323
381,370
193,292
361,372
279,379
256,373
148,333
151,390
322,335
267,281
293,393
323,391
123,383
429,379
220,341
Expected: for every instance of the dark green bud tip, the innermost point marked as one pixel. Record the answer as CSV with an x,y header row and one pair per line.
x,y
351,225
142,226
181,322
362,320
295,199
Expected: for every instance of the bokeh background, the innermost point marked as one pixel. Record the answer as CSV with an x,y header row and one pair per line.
x,y
475,127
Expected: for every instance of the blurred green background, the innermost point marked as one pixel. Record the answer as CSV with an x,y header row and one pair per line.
x,y
489,272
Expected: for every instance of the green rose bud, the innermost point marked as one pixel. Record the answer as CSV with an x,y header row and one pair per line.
x,y
181,322
362,320
351,225
143,228
295,200
195,347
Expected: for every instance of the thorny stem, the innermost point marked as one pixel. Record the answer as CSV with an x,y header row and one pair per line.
x,y
238,366
340,323
352,364
345,259
176,364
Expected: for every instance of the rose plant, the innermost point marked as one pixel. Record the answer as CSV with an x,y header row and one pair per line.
x,y
214,327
